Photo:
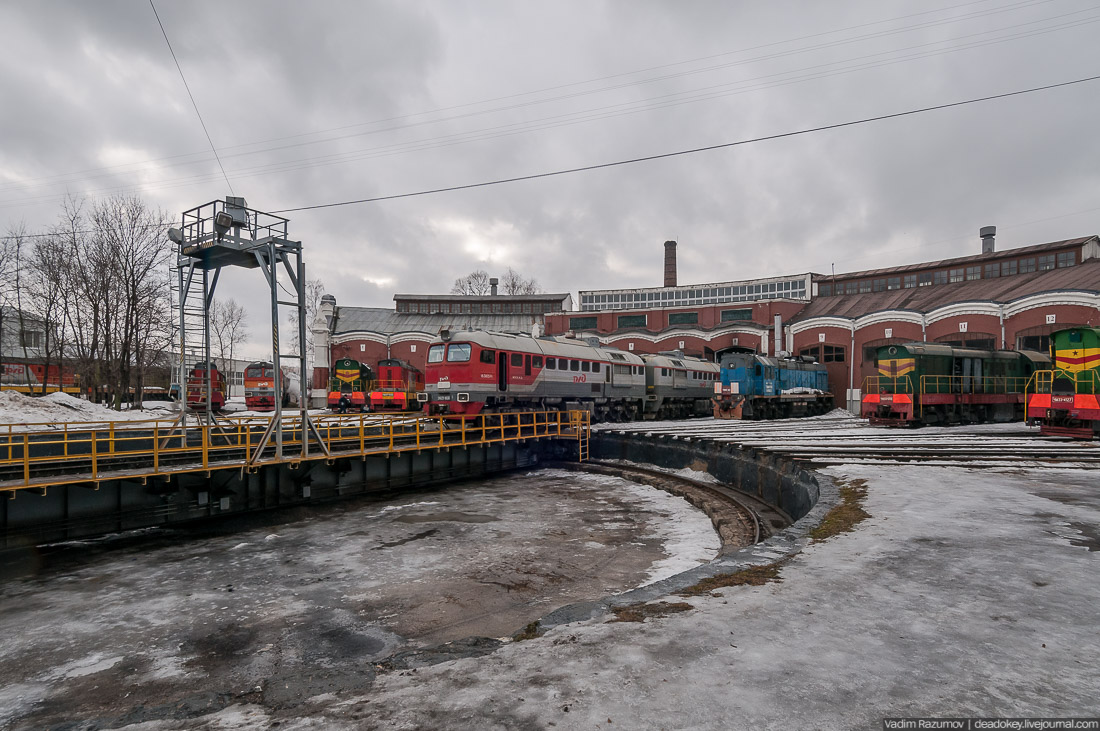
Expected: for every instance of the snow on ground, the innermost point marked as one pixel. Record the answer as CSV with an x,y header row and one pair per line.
x,y
966,594
54,409
686,533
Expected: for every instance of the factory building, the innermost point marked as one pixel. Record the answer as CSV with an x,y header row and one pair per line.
x,y
1009,299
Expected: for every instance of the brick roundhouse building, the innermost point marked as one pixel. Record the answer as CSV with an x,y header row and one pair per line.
x,y
1011,299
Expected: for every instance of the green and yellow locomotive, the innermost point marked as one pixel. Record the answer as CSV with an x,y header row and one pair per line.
x,y
1065,400
930,383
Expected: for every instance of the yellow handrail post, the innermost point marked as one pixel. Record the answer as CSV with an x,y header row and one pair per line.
x,y
205,445
26,459
441,430
462,426
95,459
156,449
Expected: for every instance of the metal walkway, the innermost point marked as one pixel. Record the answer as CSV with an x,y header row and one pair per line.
x,y
40,456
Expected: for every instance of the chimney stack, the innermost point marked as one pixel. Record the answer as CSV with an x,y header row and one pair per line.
x,y
987,233
670,263
493,281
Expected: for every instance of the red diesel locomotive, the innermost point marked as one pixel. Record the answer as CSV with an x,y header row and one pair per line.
x,y
469,373
396,386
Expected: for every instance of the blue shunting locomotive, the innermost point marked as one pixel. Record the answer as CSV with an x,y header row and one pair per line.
x,y
758,387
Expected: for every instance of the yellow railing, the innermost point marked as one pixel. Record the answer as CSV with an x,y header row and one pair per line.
x,y
973,384
1083,381
1042,382
43,455
887,384
392,385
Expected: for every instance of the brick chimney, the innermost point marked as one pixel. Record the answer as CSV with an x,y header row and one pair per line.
x,y
670,263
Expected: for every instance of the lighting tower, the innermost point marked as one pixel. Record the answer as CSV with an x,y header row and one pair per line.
x,y
229,233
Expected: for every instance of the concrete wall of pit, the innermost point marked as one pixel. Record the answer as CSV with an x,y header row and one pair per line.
x,y
777,481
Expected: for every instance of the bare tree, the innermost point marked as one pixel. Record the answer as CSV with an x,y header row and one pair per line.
x,y
513,283
45,285
474,283
227,331
315,289
133,237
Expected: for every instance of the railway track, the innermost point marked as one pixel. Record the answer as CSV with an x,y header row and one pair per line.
x,y
844,440
739,518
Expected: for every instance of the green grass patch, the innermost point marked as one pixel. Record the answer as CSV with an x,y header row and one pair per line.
x,y
752,576
639,612
530,632
844,517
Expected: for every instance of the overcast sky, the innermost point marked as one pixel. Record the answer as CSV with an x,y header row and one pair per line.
x,y
322,102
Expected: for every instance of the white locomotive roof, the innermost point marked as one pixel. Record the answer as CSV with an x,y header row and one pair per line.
x,y
554,347
662,360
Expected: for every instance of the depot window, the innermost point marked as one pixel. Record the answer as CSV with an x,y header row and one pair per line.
x,y
956,275
488,356
1008,268
435,354
832,354
1027,265
941,277
893,283
1066,259
924,279
824,290
865,286
910,281
1046,261
879,285
517,360
683,318
730,315
582,323
992,271
632,320
974,272
458,353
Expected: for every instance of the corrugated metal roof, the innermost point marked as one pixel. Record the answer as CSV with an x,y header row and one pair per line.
x,y
386,321
1083,277
977,258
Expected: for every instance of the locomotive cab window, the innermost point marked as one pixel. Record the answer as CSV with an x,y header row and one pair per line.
x,y
551,364
458,353
488,356
574,365
1075,336
517,360
435,354
536,361
584,366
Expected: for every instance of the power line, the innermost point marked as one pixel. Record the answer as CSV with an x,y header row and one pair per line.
x,y
968,16
195,105
794,76
692,151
